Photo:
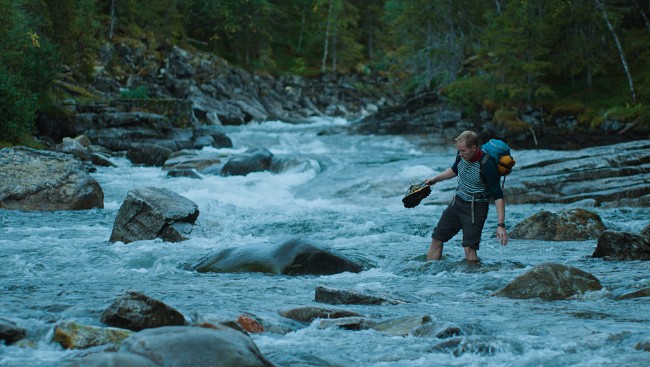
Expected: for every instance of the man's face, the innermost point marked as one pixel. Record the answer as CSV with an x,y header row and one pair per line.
x,y
467,153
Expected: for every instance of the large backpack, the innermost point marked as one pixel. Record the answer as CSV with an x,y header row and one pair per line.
x,y
500,151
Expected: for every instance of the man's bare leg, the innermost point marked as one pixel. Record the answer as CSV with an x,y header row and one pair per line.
x,y
435,250
470,255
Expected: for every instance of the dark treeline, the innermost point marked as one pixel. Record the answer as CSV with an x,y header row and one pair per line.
x,y
588,56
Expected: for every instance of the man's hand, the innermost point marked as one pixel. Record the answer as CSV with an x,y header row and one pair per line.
x,y
429,181
502,235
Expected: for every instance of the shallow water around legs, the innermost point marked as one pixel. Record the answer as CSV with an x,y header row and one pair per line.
x,y
342,191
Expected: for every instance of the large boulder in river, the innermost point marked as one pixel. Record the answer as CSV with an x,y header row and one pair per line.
x,y
136,311
294,257
43,180
550,282
613,245
185,346
253,160
568,225
150,212
71,335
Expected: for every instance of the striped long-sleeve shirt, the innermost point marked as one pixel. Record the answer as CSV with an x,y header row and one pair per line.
x,y
470,185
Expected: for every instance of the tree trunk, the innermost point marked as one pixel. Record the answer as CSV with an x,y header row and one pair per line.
x,y
498,6
600,6
323,67
112,26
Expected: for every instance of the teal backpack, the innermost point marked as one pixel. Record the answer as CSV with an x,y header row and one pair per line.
x,y
500,151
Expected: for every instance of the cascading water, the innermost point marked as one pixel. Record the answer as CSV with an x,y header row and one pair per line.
x,y
343,191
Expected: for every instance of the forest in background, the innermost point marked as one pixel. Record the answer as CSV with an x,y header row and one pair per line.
x,y
586,57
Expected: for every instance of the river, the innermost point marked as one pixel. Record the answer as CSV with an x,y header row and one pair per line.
x,y
343,191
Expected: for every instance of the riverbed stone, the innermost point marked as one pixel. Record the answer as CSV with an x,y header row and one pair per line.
x,y
43,180
148,154
136,311
567,225
646,232
10,332
337,297
118,359
550,281
294,257
148,213
643,292
252,160
185,346
308,314
72,335
615,245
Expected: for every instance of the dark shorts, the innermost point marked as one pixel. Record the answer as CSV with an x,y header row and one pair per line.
x,y
457,217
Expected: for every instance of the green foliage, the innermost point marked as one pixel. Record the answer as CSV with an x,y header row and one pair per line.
x,y
136,93
27,66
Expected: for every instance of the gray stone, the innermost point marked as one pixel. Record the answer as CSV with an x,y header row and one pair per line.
x,y
10,332
149,212
550,282
253,160
309,314
136,311
337,297
613,245
184,346
43,180
120,359
567,225
294,257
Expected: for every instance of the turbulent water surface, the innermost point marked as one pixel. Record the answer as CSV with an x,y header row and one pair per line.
x,y
341,191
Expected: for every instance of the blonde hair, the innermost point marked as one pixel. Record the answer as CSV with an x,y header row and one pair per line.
x,y
470,138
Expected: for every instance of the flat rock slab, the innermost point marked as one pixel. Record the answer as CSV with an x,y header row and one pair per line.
x,y
43,180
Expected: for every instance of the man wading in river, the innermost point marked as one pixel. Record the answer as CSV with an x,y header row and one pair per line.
x,y
469,208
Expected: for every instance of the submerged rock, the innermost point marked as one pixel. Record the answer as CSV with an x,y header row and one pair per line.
x,y
294,257
550,282
253,160
112,360
10,332
309,314
149,212
613,245
185,346
644,292
337,297
42,180
71,335
567,225
136,311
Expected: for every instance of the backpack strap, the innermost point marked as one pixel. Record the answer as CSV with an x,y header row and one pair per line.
x,y
484,160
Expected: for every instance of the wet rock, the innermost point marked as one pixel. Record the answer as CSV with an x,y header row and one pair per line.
x,y
478,345
250,324
607,174
43,180
294,257
568,225
644,346
10,332
645,292
402,326
348,323
550,282
309,314
148,154
149,212
71,335
187,160
438,330
184,346
613,245
337,297
75,147
253,160
120,359
646,232
136,311
187,172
